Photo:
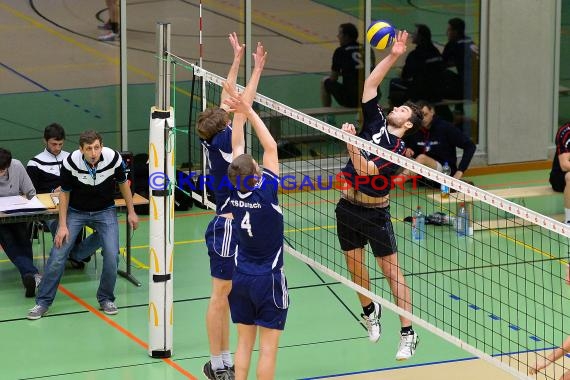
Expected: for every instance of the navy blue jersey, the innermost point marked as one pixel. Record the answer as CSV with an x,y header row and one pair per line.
x,y
376,131
440,142
219,156
562,141
259,224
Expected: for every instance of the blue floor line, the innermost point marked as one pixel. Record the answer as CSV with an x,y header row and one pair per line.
x,y
57,95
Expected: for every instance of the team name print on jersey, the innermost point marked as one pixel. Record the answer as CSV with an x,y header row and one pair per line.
x,y
244,204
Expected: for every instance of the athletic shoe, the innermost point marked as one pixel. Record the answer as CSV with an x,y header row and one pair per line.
x,y
109,37
29,282
232,372
108,307
219,374
372,323
37,312
407,348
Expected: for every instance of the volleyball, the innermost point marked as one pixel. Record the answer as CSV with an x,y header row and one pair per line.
x,y
380,34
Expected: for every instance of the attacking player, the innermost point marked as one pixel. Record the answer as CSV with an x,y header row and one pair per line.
x,y
363,215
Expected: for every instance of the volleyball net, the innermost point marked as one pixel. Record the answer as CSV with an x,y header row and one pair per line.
x,y
497,290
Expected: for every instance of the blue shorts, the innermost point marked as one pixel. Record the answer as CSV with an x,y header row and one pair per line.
x,y
260,300
221,241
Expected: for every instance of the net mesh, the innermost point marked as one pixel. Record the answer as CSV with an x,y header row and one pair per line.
x,y
498,292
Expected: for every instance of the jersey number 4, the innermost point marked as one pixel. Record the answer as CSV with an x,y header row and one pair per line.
x,y
246,225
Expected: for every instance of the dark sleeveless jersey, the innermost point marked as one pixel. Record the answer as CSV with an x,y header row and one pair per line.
x,y
376,131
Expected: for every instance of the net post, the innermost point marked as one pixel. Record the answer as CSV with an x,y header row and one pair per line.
x,y
162,98
161,197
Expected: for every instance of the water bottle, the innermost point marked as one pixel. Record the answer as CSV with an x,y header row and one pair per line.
x,y
462,221
444,188
418,224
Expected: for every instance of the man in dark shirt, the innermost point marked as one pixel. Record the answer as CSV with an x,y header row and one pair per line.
x,y
436,142
560,173
462,53
422,72
87,193
348,63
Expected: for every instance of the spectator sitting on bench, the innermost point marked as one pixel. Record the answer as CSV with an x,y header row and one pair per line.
x,y
422,72
348,63
436,141
560,173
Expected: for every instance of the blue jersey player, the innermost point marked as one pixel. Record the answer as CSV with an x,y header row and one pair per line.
x,y
363,213
259,298
215,131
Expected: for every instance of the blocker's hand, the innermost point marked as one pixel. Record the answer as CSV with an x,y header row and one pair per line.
x,y
238,49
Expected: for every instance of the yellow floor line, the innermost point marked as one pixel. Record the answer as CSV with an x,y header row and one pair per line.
x,y
139,264
111,59
518,242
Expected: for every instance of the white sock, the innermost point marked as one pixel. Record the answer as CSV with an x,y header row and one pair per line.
x,y
227,358
217,362
567,215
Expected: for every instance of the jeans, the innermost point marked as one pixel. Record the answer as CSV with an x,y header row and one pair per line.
x,y
105,222
82,250
15,239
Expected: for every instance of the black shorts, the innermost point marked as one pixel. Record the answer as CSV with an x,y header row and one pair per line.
x,y
558,181
357,225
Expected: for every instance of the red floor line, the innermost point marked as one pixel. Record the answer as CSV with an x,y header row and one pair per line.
x,y
123,330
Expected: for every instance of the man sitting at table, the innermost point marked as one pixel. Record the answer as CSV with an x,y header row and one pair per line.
x,y
14,237
44,171
87,193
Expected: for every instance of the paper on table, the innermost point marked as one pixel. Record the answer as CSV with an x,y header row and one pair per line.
x,y
18,202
